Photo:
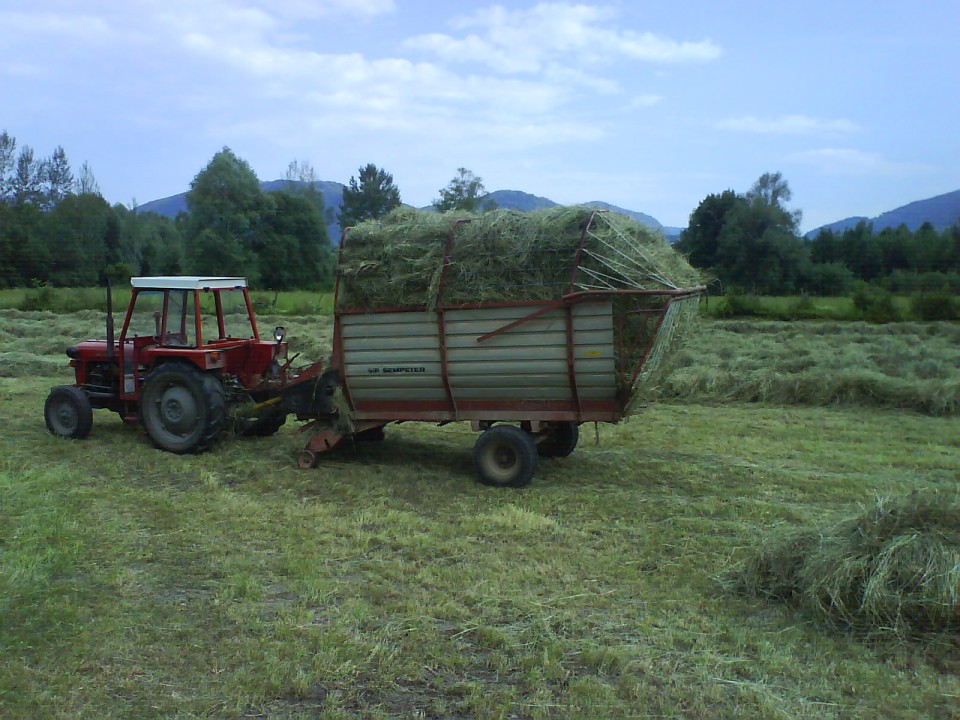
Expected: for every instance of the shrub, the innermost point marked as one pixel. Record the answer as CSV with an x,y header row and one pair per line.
x,y
936,306
737,305
875,304
38,299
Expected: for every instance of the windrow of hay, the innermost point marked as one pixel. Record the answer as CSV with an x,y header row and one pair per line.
x,y
893,567
502,256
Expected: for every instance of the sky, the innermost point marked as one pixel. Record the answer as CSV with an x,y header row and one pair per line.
x,y
651,106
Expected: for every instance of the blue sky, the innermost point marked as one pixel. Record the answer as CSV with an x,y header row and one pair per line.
x,y
647,105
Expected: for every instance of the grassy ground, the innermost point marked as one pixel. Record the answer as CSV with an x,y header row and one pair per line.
x,y
388,583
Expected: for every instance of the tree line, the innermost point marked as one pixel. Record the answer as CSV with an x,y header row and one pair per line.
x,y
750,243
56,228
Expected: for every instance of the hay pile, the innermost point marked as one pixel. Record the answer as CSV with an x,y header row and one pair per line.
x,y
895,567
502,256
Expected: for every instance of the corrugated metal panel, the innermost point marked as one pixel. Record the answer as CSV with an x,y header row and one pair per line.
x,y
396,356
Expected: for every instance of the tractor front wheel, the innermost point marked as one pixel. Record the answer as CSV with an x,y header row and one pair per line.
x,y
68,413
183,409
505,456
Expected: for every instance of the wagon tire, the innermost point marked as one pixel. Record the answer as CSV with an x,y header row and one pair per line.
x,y
68,413
182,409
505,456
560,440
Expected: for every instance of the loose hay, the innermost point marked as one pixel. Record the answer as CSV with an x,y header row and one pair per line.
x,y
896,566
502,256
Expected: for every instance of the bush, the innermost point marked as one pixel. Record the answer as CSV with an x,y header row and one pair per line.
x,y
39,299
737,305
875,304
937,306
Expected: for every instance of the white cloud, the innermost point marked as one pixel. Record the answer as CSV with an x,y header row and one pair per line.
x,y
646,101
524,41
788,125
846,161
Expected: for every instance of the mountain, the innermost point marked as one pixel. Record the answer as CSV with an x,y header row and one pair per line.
x,y
942,211
333,199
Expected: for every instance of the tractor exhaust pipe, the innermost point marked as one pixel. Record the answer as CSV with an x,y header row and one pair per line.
x,y
111,354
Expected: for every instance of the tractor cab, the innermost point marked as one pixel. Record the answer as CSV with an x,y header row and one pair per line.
x,y
208,322
188,351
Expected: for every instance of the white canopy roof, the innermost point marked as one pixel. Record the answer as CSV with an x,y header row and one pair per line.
x,y
188,282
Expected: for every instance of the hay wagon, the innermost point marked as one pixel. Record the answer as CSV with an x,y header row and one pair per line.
x,y
524,332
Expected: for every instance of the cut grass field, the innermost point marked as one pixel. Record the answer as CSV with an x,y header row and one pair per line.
x,y
389,583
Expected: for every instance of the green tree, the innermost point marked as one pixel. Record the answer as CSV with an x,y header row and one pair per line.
x,y
700,240
464,192
8,154
373,196
294,249
225,202
76,233
750,241
27,177
58,177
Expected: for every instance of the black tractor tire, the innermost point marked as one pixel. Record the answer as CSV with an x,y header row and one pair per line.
x,y
505,456
559,440
182,409
68,413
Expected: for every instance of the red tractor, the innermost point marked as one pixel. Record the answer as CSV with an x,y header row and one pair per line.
x,y
188,361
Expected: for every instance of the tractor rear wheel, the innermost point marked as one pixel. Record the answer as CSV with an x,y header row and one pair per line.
x,y
68,413
560,440
183,409
505,456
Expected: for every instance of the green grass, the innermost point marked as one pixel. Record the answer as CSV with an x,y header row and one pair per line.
x,y
389,583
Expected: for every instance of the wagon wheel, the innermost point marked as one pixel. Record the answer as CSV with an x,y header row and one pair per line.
x,y
505,456
68,413
183,409
559,439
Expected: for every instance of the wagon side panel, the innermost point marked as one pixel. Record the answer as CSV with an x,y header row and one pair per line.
x,y
499,361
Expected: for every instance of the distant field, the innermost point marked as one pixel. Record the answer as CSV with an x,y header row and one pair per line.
x,y
389,583
302,302
61,300
913,366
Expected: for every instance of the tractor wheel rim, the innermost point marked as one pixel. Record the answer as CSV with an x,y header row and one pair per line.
x,y
178,410
66,416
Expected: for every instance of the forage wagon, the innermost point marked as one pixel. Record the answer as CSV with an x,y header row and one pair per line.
x,y
525,325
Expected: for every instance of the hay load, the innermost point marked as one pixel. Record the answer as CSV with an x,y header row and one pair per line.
x,y
414,261
502,256
895,566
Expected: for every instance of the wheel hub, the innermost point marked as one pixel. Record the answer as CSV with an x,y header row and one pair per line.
x,y
178,410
